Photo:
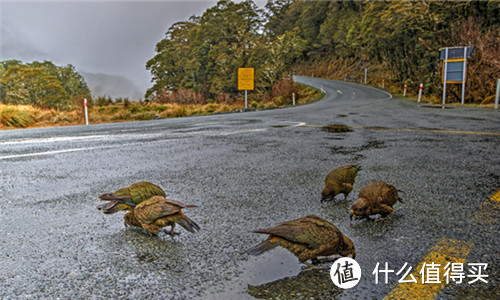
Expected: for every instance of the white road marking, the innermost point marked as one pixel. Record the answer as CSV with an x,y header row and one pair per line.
x,y
54,139
299,124
390,95
177,134
340,92
47,152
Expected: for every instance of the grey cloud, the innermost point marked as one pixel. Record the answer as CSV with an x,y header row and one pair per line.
x,y
97,37
14,45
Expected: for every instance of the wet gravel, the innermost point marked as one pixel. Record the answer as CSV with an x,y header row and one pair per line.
x,y
245,171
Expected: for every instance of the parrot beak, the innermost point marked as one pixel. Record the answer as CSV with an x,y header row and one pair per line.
x,y
112,207
352,255
103,207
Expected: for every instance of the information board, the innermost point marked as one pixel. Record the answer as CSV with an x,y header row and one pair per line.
x,y
455,72
456,52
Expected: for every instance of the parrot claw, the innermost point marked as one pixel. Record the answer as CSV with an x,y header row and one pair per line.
x,y
310,267
172,233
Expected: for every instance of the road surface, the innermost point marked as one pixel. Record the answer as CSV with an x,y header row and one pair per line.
x,y
247,171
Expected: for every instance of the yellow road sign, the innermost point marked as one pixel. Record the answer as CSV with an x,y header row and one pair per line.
x,y
245,78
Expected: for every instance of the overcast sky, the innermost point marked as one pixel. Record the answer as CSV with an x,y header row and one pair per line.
x,y
111,37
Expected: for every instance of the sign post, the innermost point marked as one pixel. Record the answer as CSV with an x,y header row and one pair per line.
x,y
420,92
86,112
464,70
455,67
445,74
246,81
497,94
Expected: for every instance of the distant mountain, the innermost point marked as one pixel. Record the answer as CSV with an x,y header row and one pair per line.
x,y
112,85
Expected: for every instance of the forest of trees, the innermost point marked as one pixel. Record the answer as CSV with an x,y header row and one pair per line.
x,y
41,84
397,41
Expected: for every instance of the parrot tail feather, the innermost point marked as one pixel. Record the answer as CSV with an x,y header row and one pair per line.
x,y
262,247
188,224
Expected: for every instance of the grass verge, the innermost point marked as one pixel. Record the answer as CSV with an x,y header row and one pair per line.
x,y
26,116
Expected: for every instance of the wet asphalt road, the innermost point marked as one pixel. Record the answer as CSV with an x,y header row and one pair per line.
x,y
245,171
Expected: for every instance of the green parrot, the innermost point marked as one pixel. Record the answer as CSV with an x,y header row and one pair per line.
x,y
129,197
158,212
307,238
339,181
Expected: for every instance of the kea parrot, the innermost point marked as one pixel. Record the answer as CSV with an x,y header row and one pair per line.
x,y
377,197
339,181
127,198
307,238
158,212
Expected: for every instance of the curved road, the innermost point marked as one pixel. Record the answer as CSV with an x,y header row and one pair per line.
x,y
247,171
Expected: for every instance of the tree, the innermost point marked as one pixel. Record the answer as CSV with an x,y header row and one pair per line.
x,y
397,40
204,53
4,65
174,56
73,83
31,85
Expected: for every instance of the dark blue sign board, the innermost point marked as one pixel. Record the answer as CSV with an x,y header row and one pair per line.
x,y
456,52
455,72
454,66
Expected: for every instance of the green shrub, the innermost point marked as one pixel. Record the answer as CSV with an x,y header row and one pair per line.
x,y
198,111
160,108
279,100
210,108
254,104
143,116
134,109
270,105
103,101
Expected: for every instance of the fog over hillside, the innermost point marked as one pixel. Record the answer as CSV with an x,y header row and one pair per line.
x,y
112,85
99,37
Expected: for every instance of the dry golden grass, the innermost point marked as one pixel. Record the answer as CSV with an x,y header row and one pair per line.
x,y
25,116
20,116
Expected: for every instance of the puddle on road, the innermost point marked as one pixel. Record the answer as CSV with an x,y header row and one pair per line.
x,y
373,144
307,284
277,274
336,128
272,266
